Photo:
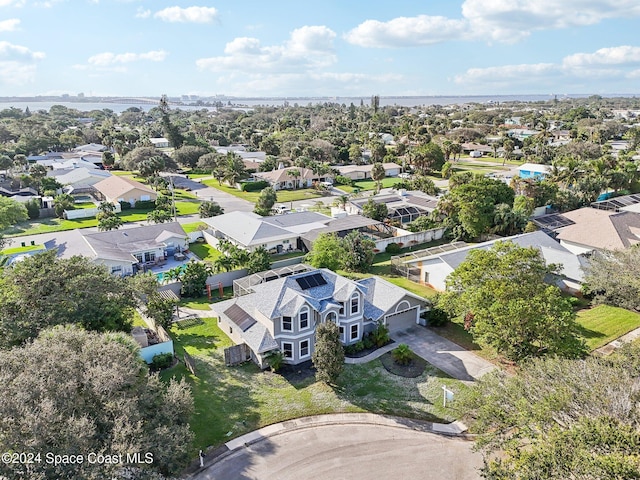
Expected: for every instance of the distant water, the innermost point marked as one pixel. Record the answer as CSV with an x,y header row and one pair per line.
x,y
414,101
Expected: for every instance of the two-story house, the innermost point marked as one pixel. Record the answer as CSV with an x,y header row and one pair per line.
x,y
282,314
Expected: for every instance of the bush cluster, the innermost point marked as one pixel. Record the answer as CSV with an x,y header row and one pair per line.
x,y
145,204
254,186
161,361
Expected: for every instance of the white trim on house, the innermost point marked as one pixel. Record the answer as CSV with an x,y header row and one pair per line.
x,y
290,322
307,310
308,354
291,350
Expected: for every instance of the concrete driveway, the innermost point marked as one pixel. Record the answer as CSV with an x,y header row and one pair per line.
x,y
227,201
350,451
444,354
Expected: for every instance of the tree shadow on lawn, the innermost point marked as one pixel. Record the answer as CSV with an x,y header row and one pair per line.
x,y
588,333
371,387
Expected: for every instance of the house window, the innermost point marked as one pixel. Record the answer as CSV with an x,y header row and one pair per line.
x,y
354,332
287,324
149,256
331,317
426,277
304,318
287,349
138,257
341,334
304,348
355,303
285,242
341,308
116,269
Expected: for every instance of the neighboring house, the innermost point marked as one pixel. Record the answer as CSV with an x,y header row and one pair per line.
x,y
434,269
404,206
533,170
522,133
241,151
128,251
79,177
281,178
278,233
282,314
121,189
72,163
589,229
362,172
91,147
159,142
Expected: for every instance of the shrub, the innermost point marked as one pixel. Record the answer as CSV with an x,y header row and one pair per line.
x,y
358,346
393,248
380,335
161,361
125,205
145,204
253,186
342,180
437,317
276,360
368,341
402,354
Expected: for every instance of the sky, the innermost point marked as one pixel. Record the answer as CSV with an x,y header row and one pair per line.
x,y
329,48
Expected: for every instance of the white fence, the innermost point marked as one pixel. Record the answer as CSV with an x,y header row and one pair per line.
x,y
408,239
86,212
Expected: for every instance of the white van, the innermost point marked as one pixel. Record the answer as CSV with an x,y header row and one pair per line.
x,y
281,209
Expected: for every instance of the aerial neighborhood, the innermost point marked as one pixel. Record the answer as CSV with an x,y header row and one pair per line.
x,y
174,280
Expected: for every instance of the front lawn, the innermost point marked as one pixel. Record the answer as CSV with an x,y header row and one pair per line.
x,y
192,227
603,324
283,195
231,401
25,249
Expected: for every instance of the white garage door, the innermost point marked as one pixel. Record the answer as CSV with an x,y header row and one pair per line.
x,y
402,321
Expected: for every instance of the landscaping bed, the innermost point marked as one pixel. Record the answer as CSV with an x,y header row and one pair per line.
x,y
413,369
366,351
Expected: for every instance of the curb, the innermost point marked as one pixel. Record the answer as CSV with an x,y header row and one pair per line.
x,y
454,429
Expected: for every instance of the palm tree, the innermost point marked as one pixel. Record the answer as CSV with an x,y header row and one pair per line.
x,y
224,264
233,169
295,173
341,201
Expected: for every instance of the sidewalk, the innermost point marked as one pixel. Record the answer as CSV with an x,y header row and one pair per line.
x,y
611,347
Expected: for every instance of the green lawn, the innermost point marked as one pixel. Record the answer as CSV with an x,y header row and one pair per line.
x,y
283,195
231,401
203,302
17,250
603,324
138,321
192,227
81,205
187,207
365,185
205,251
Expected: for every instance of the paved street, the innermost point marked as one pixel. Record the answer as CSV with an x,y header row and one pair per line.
x,y
350,451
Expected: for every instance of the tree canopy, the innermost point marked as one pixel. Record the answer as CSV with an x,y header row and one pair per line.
x,y
42,291
326,252
328,354
11,212
72,392
560,418
502,296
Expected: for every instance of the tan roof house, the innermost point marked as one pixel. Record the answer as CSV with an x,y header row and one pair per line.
x,y
281,178
120,189
594,229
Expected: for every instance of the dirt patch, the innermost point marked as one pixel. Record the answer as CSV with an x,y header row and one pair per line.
x,y
297,373
413,369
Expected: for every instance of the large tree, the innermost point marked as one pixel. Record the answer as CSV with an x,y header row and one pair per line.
x,y
613,277
11,212
375,210
328,354
358,252
149,160
265,202
502,296
326,252
560,418
72,392
378,174
43,291
188,155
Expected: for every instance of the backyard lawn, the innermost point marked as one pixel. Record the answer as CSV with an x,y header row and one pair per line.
x,y
603,324
192,227
231,401
283,195
204,251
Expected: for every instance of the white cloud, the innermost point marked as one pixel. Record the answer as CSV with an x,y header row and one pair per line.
x,y
9,51
108,59
510,73
187,15
9,25
308,47
142,13
490,20
407,31
10,3
624,54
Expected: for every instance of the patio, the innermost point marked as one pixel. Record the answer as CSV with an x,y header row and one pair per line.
x,y
169,264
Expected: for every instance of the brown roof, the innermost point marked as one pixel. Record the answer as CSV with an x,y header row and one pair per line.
x,y
602,229
116,187
282,175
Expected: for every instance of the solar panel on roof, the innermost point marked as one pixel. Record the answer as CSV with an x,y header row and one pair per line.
x,y
310,281
241,318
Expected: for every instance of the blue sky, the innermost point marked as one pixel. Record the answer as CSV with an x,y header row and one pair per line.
x,y
257,48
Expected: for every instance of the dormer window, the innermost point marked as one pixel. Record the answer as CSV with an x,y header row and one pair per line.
x,y
355,303
304,318
287,324
331,317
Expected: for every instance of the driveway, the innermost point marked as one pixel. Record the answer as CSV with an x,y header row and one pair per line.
x,y
227,201
350,451
444,354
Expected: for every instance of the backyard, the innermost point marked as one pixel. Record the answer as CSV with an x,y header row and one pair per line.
x,y
283,195
231,401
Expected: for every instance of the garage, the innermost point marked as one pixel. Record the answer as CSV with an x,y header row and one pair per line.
x,y
402,320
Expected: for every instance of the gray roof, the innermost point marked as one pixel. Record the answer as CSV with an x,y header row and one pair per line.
x,y
551,251
381,296
248,229
342,224
121,244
